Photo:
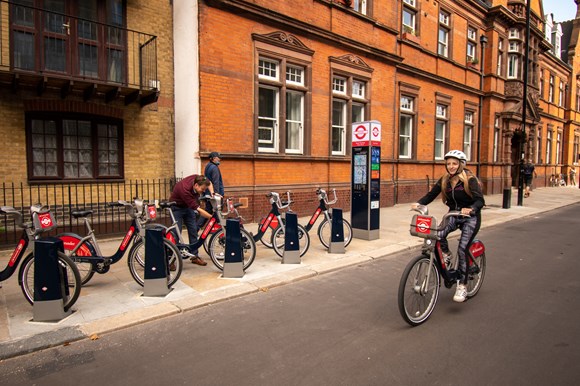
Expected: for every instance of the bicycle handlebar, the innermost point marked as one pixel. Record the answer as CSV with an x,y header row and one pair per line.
x,y
424,210
323,196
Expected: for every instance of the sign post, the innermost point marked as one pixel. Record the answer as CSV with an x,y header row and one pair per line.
x,y
366,180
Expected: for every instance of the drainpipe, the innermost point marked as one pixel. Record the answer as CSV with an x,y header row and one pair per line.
x,y
483,42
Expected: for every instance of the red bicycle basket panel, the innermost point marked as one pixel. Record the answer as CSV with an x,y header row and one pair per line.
x,y
424,226
151,212
43,221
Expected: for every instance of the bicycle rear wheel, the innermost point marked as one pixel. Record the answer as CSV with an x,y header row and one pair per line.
x,y
26,279
137,257
324,232
278,240
217,248
475,275
417,297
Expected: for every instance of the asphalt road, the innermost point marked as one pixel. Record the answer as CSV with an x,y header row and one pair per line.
x,y
344,328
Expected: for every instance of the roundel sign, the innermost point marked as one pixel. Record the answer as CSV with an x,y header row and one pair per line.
x,y
360,134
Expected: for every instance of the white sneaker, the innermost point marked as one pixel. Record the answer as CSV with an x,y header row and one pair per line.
x,y
460,293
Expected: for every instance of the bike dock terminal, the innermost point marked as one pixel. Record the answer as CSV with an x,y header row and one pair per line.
x,y
114,300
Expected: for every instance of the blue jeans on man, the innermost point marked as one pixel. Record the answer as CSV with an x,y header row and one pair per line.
x,y
189,217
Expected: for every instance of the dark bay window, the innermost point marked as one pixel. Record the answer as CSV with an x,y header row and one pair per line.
x,y
81,37
73,148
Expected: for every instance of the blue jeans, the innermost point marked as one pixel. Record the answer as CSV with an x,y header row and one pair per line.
x,y
187,216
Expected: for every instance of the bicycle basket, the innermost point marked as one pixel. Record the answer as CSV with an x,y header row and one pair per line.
x,y
424,226
43,221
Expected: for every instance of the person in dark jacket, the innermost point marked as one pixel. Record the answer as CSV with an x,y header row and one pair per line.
x,y
186,195
529,172
462,192
212,171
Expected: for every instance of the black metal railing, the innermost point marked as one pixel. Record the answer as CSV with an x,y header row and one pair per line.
x,y
64,198
34,40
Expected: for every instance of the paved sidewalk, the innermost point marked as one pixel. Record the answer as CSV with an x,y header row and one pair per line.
x,y
113,301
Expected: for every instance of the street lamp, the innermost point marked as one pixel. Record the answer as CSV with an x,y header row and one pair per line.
x,y
524,101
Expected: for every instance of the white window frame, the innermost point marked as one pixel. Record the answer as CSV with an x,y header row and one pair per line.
x,y
468,134
339,84
299,122
513,66
407,107
514,33
496,133
551,90
293,72
412,23
561,94
358,89
340,127
412,3
275,131
262,69
441,113
360,6
443,45
549,147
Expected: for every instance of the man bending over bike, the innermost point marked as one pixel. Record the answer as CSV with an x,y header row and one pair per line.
x,y
186,195
461,192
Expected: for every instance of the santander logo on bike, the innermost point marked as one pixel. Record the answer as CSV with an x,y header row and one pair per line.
x,y
152,212
423,224
45,220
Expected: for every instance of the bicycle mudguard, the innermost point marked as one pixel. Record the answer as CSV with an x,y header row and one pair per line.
x,y
477,248
70,241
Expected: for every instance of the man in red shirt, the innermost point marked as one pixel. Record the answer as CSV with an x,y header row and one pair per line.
x,y
186,195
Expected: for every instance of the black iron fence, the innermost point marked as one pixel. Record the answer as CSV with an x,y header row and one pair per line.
x,y
65,198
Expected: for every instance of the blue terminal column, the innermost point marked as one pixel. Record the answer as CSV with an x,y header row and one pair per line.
x,y
366,180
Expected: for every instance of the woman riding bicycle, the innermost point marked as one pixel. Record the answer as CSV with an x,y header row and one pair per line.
x,y
462,192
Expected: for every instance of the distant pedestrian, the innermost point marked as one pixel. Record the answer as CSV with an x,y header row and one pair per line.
x,y
529,172
213,173
573,176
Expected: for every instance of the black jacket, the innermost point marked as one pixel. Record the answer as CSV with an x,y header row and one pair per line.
x,y
457,198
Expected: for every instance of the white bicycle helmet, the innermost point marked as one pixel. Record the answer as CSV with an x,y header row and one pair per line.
x,y
457,154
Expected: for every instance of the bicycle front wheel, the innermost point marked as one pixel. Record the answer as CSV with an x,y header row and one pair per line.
x,y
278,240
136,261
26,279
417,295
217,248
324,232
475,275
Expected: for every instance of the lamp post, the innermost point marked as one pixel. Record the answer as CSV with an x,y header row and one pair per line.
x,y
522,149
483,42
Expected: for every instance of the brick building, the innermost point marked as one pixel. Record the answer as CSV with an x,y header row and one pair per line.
x,y
86,97
280,83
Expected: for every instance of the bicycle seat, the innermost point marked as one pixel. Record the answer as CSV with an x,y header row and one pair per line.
x,y
166,204
8,210
81,213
